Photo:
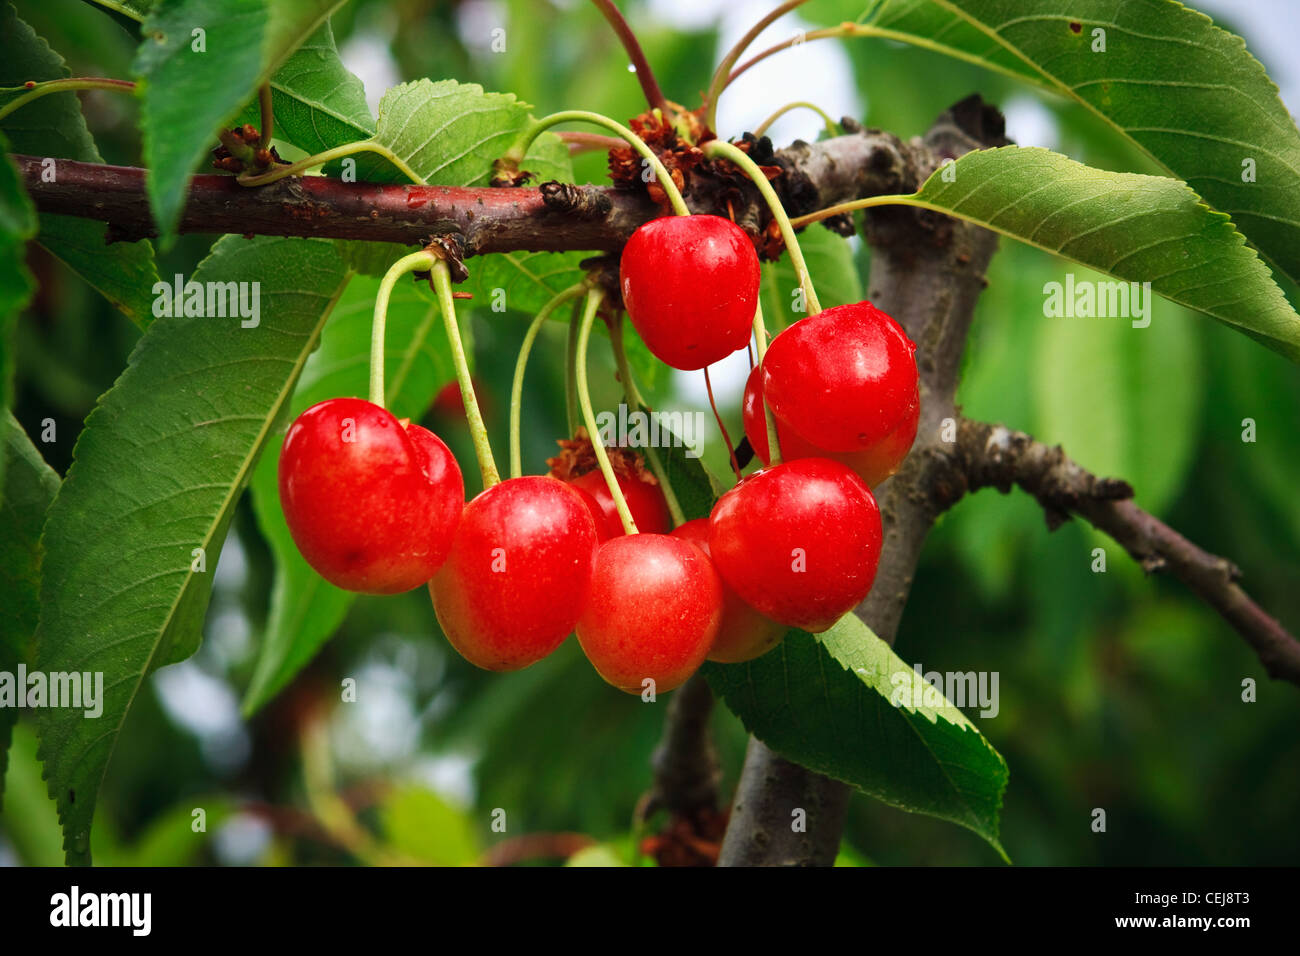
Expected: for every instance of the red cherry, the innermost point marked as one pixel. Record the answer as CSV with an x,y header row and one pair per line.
x,y
653,612
845,379
518,573
371,504
690,287
645,501
799,542
744,634
873,465
449,402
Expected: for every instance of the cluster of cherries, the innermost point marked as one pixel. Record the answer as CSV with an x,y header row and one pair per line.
x,y
378,505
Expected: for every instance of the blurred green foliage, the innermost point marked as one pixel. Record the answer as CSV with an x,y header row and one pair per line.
x,y
1117,691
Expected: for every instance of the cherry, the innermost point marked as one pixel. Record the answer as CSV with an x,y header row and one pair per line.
x,y
873,464
799,542
653,611
372,503
744,634
844,380
645,501
690,287
518,573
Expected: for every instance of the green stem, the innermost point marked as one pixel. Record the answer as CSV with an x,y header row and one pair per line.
x,y
329,155
517,387
36,90
908,199
831,126
866,30
630,390
515,155
268,114
634,399
570,369
441,278
415,262
769,420
589,417
719,148
722,75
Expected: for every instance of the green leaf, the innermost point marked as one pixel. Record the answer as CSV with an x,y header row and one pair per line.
x,y
17,225
1185,91
835,277
193,84
135,10
24,492
1093,389
826,701
31,822
422,826
450,134
695,486
598,854
170,838
29,487
316,101
528,280
306,610
1135,227
931,26
157,472
52,126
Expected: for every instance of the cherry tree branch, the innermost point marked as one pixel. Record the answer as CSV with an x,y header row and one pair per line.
x,y
993,456
551,217
686,770
927,271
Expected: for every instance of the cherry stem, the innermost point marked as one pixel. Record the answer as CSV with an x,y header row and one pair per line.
x,y
516,153
722,75
633,397
268,114
769,420
517,386
851,30
570,369
415,262
579,142
843,30
719,148
329,155
594,297
726,437
831,126
905,199
440,276
644,74
36,90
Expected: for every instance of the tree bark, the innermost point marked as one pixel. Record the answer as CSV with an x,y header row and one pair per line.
x,y
551,217
927,271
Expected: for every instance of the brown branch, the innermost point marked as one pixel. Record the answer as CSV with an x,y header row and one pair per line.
x,y
993,456
536,846
486,219
927,272
686,771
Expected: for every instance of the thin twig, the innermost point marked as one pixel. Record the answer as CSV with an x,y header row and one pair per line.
x,y
995,456
654,96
